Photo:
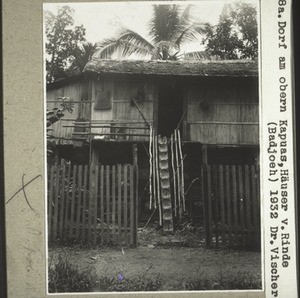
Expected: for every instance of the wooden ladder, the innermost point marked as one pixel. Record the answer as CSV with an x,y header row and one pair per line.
x,y
165,184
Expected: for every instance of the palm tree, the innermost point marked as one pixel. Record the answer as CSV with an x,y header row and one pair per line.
x,y
80,56
168,30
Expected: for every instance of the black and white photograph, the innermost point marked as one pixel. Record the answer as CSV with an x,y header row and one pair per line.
x,y
153,146
149,149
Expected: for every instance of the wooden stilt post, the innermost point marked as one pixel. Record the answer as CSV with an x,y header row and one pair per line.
x,y
150,170
174,175
158,181
205,173
206,197
94,156
154,171
178,175
94,163
56,157
181,171
204,154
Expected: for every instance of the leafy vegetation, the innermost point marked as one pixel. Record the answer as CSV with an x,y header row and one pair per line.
x,y
168,30
63,38
235,36
55,115
68,52
80,56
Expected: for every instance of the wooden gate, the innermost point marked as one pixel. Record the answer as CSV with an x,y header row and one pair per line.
x,y
231,205
95,204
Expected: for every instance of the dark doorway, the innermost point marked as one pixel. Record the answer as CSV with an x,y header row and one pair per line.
x,y
170,107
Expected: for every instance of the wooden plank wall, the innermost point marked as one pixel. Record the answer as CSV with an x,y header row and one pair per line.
x,y
231,205
223,112
76,91
105,115
94,204
123,110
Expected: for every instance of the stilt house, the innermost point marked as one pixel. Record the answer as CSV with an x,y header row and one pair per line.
x,y
211,109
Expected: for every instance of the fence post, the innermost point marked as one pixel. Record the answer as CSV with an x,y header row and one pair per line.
x,y
107,193
83,228
78,211
66,214
222,204
215,196
136,179
248,211
207,204
113,194
234,196
119,205
256,203
228,202
95,201
56,201
102,203
241,200
62,200
132,210
71,226
50,200
90,200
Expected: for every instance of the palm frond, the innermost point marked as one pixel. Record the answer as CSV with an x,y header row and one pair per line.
x,y
166,45
127,43
134,37
126,48
185,17
156,54
189,34
198,55
106,48
183,23
81,56
186,30
168,29
164,22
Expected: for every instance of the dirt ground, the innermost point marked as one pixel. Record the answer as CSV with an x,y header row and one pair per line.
x,y
175,260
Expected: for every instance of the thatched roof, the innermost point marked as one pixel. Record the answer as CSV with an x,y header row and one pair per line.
x,y
228,68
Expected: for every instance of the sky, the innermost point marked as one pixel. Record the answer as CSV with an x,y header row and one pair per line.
x,y
104,19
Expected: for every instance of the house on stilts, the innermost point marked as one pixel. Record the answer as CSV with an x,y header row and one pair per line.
x,y
159,140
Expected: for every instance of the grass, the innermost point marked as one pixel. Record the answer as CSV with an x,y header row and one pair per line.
x,y
139,284
243,281
67,277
